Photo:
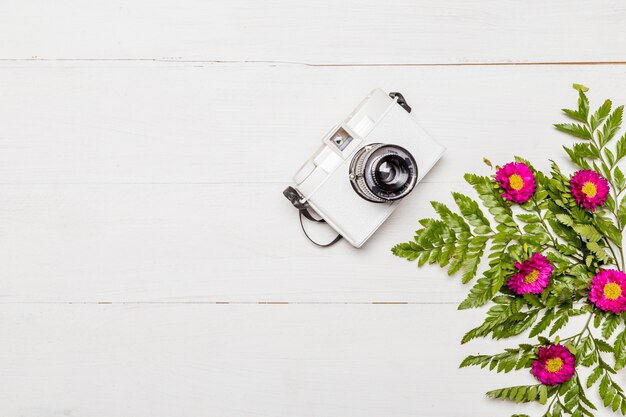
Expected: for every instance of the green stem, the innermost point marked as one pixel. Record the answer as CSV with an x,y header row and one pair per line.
x,y
613,253
574,257
555,241
614,212
556,397
545,226
586,328
580,334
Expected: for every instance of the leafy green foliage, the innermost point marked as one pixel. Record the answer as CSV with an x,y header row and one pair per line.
x,y
524,393
577,242
620,350
506,361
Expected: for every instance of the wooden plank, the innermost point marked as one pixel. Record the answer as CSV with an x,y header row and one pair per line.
x,y
178,123
200,242
323,31
146,182
244,360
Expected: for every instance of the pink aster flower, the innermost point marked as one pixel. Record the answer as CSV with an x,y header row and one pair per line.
x,y
589,188
608,291
533,276
555,365
517,181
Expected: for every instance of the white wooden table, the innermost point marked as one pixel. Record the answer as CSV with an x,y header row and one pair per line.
x,y
149,265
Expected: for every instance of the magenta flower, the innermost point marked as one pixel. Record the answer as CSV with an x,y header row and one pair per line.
x,y
555,365
608,291
517,181
589,188
533,276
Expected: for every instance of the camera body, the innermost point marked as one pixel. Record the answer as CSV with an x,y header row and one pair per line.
x,y
365,166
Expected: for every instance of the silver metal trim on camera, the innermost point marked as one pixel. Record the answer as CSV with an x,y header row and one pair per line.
x,y
364,167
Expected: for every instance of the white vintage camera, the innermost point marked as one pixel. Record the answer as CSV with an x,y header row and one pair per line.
x,y
365,167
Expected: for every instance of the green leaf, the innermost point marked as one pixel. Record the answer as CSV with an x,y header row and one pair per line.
x,y
574,129
504,319
581,88
620,180
607,228
610,158
588,232
621,211
581,152
475,360
435,243
410,250
529,218
565,219
482,230
611,321
600,114
543,395
561,321
611,393
620,350
451,219
603,346
604,387
573,114
582,113
617,401
475,249
491,199
470,210
593,377
599,251
517,394
620,147
543,324
470,266
611,126
479,294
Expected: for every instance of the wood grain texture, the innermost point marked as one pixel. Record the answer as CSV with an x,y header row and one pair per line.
x,y
162,182
182,123
320,32
241,360
149,265
199,242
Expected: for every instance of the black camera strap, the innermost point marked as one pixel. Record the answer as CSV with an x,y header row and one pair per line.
x,y
303,209
305,212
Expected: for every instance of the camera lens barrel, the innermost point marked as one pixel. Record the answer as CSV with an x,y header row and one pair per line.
x,y
382,172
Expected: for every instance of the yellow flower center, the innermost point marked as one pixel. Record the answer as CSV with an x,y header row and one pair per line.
x,y
554,365
516,182
532,277
612,291
590,189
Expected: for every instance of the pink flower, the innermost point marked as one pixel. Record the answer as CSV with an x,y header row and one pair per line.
x,y
517,181
533,276
589,188
555,365
608,291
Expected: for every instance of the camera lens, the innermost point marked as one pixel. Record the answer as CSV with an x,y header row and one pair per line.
x,y
391,173
381,172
